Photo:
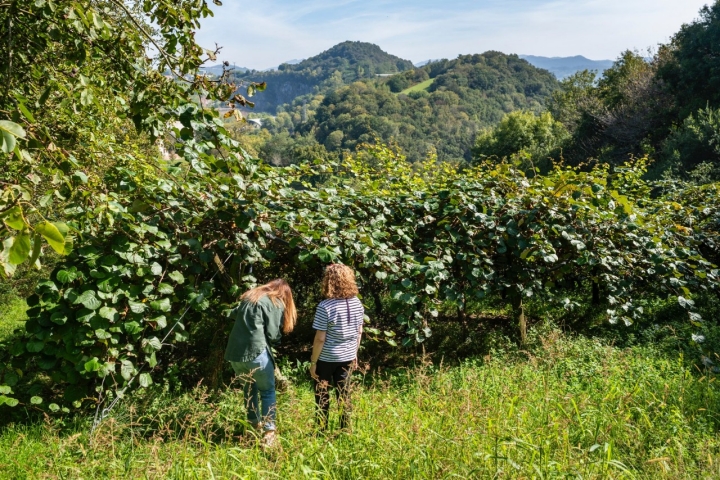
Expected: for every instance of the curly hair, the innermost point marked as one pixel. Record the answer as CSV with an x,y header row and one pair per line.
x,y
339,282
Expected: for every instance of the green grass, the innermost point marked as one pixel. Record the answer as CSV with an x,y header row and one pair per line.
x,y
424,86
572,408
12,316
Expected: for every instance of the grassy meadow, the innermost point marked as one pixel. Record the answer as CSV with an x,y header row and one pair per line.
x,y
420,87
569,407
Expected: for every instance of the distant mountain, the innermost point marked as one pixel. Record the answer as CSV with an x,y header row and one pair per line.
x,y
341,65
425,62
218,69
294,61
563,67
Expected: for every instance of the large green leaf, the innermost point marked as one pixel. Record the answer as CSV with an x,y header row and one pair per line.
x,y
12,128
52,234
89,300
163,305
9,132
14,218
20,249
177,277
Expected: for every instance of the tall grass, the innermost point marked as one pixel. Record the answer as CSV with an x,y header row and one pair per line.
x,y
572,408
12,316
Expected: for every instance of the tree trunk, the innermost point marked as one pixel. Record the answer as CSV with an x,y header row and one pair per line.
x,y
519,316
595,293
378,302
595,289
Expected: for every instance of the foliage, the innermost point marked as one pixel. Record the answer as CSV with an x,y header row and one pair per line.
x,y
571,407
621,114
536,137
690,66
422,234
693,149
659,107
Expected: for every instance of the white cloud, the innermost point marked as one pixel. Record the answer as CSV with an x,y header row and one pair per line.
x,y
264,35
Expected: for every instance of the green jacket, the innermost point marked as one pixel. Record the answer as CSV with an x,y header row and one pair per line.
x,y
256,325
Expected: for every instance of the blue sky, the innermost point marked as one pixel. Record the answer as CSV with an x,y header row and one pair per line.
x,y
263,34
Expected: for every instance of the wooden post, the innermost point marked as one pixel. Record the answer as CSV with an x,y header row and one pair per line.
x,y
519,316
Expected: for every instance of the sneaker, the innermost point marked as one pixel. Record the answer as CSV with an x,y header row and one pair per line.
x,y
268,440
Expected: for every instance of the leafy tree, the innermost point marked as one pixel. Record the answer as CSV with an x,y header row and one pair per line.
x,y
622,115
691,63
693,149
538,137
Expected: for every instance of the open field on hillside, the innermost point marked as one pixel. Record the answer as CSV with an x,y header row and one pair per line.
x,y
423,86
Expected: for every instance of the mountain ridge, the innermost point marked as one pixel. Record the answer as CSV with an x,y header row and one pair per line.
x,y
563,67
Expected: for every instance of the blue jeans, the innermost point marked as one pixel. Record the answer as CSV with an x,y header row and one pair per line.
x,y
258,377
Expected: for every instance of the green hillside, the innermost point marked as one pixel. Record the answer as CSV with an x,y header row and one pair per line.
x,y
439,107
340,65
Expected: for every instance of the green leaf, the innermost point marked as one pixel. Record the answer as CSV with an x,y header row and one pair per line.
x,y
52,234
127,369
152,360
686,302
177,277
102,334
151,344
156,269
58,318
26,113
9,132
80,176
86,97
132,327
380,275
161,305
35,346
84,315
54,407
89,300
161,321
36,400
20,249
36,249
10,402
109,313
14,218
165,289
5,390
66,276
92,365
145,380
12,128
325,255
137,307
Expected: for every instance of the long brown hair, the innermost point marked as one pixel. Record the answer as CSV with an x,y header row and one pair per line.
x,y
339,282
278,291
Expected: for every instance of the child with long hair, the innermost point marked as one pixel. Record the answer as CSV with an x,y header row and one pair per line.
x,y
264,313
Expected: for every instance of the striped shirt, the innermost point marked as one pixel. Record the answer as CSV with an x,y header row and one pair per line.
x,y
341,340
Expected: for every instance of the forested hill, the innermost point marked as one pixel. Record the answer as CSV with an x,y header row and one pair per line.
x,y
342,64
439,107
